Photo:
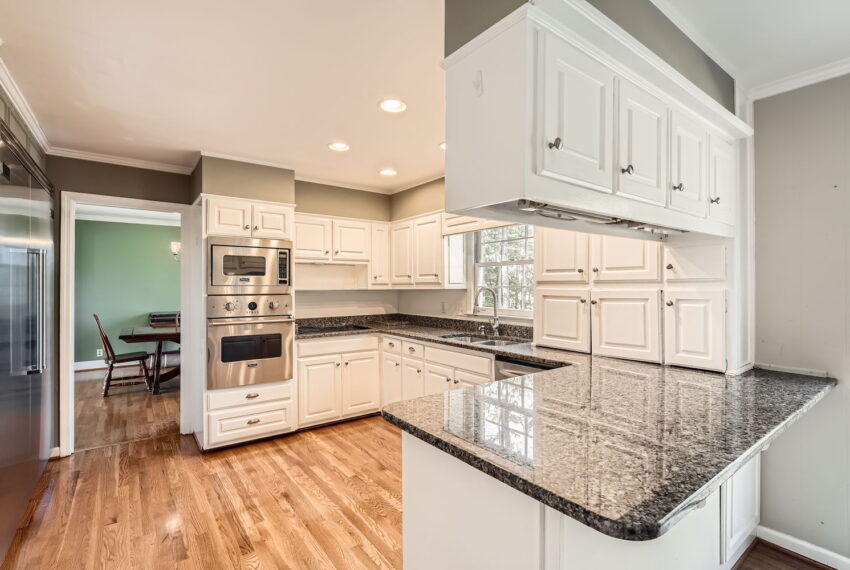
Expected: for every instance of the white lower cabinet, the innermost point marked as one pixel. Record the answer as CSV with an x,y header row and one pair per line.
x,y
235,415
695,328
361,385
626,324
438,378
740,507
319,379
562,318
390,379
618,259
412,378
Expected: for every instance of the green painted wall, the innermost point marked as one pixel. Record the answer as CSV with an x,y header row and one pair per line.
x,y
123,272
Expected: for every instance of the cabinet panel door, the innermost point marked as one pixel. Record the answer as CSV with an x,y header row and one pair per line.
x,y
228,217
624,259
412,379
464,379
438,379
361,383
455,256
562,318
312,240
318,389
695,263
689,165
379,258
273,222
351,240
694,328
740,506
560,256
391,379
722,180
643,145
625,324
578,117
427,250
401,254
457,224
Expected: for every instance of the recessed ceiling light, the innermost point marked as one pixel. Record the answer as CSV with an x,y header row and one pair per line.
x,y
443,145
338,146
393,105
388,172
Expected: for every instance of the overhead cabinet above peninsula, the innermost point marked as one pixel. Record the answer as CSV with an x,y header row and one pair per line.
x,y
594,133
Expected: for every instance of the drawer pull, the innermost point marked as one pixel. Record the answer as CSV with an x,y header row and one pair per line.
x,y
457,381
448,379
254,421
251,396
252,365
628,170
397,364
411,349
392,344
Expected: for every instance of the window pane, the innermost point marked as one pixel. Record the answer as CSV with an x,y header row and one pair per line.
x,y
491,252
512,275
503,262
491,235
488,277
514,250
515,232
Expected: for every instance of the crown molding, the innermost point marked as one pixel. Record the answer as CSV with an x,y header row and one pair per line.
x,y
420,183
19,102
802,79
235,158
118,160
346,186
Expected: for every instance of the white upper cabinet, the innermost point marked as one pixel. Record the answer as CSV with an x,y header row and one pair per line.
x,y
560,256
577,117
351,240
615,259
722,180
626,324
272,221
562,318
642,144
379,261
401,250
454,275
227,217
457,224
427,249
694,328
313,238
688,165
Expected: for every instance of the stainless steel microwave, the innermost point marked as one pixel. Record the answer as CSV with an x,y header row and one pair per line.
x,y
239,266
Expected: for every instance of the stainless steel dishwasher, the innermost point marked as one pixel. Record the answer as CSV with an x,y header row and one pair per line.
x,y
511,367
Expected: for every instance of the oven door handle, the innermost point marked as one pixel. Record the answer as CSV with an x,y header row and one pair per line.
x,y
229,322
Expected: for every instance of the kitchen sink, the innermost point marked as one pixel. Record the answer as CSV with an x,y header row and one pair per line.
x,y
465,338
496,342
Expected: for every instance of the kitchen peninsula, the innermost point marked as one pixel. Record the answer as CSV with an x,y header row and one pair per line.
x,y
598,464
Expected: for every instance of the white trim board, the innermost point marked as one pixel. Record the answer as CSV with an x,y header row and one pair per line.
x,y
801,79
21,106
803,548
118,160
86,365
97,213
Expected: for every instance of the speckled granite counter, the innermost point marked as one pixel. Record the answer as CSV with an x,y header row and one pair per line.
x,y
625,448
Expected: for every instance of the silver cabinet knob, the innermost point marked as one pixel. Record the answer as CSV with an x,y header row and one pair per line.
x,y
247,227
448,379
374,277
336,252
669,266
593,302
596,270
556,144
457,381
392,345
411,349
251,396
715,200
669,303
327,251
254,421
337,363
579,270
628,170
347,363
256,228
419,371
680,187
397,364
583,300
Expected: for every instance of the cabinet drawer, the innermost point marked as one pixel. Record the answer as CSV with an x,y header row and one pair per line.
x,y
258,394
336,345
464,379
412,349
470,362
249,422
392,345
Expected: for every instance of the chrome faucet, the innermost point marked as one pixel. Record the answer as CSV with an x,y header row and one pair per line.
x,y
494,321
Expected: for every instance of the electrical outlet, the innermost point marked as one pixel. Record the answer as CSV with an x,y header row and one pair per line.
x,y
99,352
444,307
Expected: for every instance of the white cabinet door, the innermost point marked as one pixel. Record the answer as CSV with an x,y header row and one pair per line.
x,y
427,250
361,383
722,180
578,117
379,259
391,379
438,379
455,256
642,145
464,379
740,509
689,165
695,262
560,256
562,318
695,328
319,381
228,217
351,240
457,224
313,238
624,259
401,254
412,378
625,324
271,221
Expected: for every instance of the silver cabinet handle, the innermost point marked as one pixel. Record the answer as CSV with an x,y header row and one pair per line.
x,y
251,396
556,144
593,302
680,187
579,270
256,228
347,363
392,344
418,370
327,251
247,227
669,303
448,379
411,349
583,300
714,200
596,270
337,363
397,364
669,266
336,252
457,381
374,277
252,364
628,170
254,421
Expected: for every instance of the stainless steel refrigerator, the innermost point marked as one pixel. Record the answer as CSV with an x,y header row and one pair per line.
x,y
26,330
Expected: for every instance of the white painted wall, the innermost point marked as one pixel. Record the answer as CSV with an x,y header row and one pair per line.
x,y
802,205
344,303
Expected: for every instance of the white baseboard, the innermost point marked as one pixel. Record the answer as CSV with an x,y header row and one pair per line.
x,y
54,452
803,548
101,365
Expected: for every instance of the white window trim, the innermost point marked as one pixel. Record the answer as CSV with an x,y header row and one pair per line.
x,y
472,309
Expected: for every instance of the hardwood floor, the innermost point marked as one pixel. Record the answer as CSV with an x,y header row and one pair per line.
x,y
765,556
129,413
326,498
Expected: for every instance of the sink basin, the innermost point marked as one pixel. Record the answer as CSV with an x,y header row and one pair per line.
x,y
495,342
465,338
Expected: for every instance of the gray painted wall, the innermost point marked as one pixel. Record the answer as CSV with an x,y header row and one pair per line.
x,y
312,198
802,207
242,179
421,199
465,19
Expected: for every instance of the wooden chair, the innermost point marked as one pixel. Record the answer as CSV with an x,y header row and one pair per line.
x,y
112,359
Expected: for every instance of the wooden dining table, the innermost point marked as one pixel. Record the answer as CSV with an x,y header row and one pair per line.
x,y
159,335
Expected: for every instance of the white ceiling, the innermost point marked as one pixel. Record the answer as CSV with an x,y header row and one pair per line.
x,y
267,80
762,41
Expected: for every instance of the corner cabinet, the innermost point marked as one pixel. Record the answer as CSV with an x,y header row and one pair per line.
x,y
247,218
554,105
